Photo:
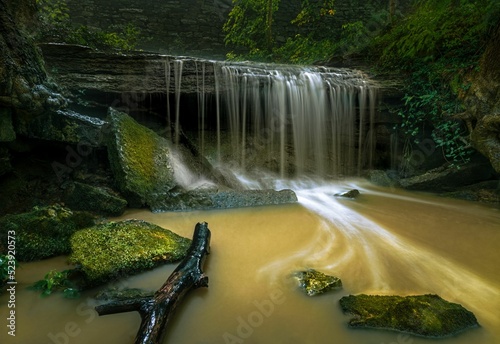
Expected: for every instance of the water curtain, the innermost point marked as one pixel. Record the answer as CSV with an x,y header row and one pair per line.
x,y
294,120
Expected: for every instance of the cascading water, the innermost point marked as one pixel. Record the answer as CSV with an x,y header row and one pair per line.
x,y
291,119
318,122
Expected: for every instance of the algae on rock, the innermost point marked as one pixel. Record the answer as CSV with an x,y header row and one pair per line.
x,y
422,315
139,160
111,250
44,232
314,282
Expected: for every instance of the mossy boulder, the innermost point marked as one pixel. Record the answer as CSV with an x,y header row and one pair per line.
x,y
314,282
422,315
80,196
139,160
111,250
44,232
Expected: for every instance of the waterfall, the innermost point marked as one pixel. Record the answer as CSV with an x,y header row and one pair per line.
x,y
294,120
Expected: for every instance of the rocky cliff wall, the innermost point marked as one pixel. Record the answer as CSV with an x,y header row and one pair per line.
x,y
194,27
482,102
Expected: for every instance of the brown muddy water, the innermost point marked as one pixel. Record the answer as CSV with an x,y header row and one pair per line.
x,y
384,242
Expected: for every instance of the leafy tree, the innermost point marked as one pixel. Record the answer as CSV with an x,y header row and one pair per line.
x,y
250,27
56,26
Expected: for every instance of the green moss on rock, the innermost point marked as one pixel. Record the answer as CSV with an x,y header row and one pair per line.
x,y
139,159
81,196
111,250
314,282
44,232
422,315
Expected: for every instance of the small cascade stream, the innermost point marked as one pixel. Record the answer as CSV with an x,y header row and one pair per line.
x,y
305,120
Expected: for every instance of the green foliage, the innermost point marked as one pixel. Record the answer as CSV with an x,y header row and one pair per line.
x,y
55,26
57,281
249,29
4,269
312,14
438,29
431,103
249,25
304,49
435,46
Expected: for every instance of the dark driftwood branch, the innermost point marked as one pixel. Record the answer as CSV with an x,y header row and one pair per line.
x,y
157,310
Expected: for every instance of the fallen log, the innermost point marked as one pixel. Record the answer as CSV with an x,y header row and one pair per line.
x,y
157,310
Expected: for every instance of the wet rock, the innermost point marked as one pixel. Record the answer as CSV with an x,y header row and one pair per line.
x,y
64,126
314,282
380,178
482,102
485,192
43,232
422,315
348,194
7,132
139,160
448,178
81,196
5,165
216,199
111,250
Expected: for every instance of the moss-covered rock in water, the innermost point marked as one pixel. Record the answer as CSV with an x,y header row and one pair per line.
x,y
422,315
43,232
139,160
107,251
81,196
314,282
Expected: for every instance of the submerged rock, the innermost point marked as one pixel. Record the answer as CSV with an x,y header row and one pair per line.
x,y
314,282
139,160
348,194
81,196
44,232
115,249
422,315
214,199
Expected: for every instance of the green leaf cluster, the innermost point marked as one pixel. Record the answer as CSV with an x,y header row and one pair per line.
x,y
55,26
438,29
4,269
57,281
249,31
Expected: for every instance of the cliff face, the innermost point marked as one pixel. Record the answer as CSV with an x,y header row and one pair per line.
x,y
21,66
482,103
